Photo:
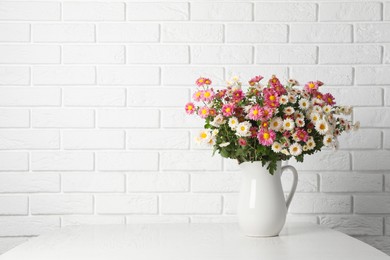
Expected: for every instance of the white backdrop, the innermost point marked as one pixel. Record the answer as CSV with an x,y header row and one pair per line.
x,y
93,128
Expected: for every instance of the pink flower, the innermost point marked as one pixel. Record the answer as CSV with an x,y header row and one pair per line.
x,y
266,137
238,95
242,142
265,113
203,81
207,95
302,135
255,113
212,112
279,88
253,131
311,86
203,112
221,93
228,109
329,99
286,134
254,80
271,97
197,95
190,108
274,81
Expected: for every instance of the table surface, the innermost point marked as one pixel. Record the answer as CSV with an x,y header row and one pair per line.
x,y
191,242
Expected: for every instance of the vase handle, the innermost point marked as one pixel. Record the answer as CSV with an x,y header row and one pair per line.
x,y
294,185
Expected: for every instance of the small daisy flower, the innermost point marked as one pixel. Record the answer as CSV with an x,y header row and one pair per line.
x,y
300,122
305,148
322,127
207,95
304,104
265,113
228,109
317,109
243,129
204,136
327,109
190,108
311,86
271,97
298,114
218,120
215,132
317,101
302,135
266,137
276,123
203,112
276,147
328,140
295,149
197,95
315,117
233,122
283,100
328,99
292,99
311,144
288,124
200,81
289,111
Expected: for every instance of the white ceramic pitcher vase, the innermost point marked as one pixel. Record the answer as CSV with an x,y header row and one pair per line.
x,y
262,208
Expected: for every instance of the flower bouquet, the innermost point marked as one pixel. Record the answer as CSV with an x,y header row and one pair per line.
x,y
268,122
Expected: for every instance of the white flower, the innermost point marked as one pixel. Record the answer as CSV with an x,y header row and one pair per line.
x,y
276,123
283,99
356,126
327,109
328,140
322,127
247,108
317,109
289,110
285,151
298,114
300,122
292,98
276,147
295,149
233,122
243,129
215,132
310,143
315,117
218,120
347,110
204,136
288,124
304,104
224,144
317,101
305,148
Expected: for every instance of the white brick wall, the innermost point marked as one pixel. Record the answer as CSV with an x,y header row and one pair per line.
x,y
92,129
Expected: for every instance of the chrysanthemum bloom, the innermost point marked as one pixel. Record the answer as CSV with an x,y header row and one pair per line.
x,y
329,99
295,149
318,95
317,109
288,110
238,95
315,117
288,124
203,136
322,127
292,98
233,122
265,113
200,81
255,80
293,82
243,129
274,81
311,87
283,99
302,135
276,124
253,131
218,120
190,108
311,144
328,140
255,113
242,142
266,137
279,88
286,134
304,104
207,95
221,93
276,147
327,109
197,95
228,109
300,122
207,81
203,112
212,112
271,97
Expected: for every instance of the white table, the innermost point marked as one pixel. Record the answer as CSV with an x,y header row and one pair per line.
x,y
191,242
